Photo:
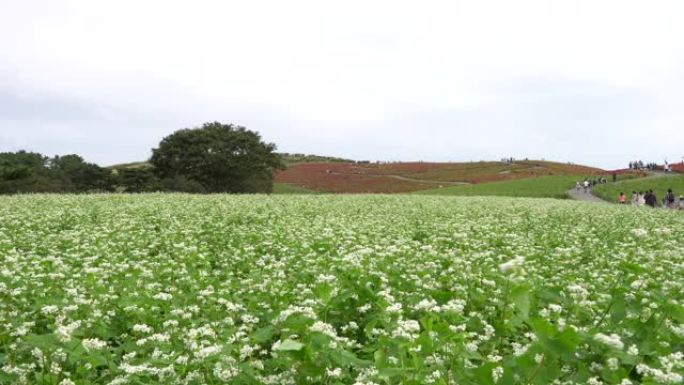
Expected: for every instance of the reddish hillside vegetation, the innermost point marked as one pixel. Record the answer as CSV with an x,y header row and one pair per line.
x,y
413,176
677,167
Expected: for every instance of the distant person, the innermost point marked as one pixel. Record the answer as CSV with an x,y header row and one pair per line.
x,y
615,176
635,198
642,198
651,199
586,186
577,186
670,198
621,198
681,202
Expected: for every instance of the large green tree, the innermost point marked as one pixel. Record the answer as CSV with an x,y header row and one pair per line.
x,y
219,158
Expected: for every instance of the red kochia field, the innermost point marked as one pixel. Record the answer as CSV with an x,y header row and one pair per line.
x,y
414,176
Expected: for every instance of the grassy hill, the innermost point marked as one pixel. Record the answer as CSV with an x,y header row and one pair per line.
x,y
343,177
542,187
659,184
130,165
291,159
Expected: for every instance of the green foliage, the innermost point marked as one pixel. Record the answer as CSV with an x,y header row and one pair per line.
x,y
24,172
137,179
284,188
79,176
289,345
217,157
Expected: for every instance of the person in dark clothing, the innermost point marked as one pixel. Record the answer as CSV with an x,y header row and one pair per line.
x,y
669,198
651,199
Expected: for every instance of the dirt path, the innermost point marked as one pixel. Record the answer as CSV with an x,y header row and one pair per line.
x,y
582,196
407,179
424,180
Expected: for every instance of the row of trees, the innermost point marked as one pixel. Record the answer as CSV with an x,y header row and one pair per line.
x,y
213,158
32,172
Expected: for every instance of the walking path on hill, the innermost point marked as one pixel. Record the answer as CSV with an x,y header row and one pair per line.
x,y
582,196
407,179
425,180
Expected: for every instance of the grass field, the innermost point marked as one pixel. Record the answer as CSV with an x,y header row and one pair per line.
x,y
541,187
659,184
181,289
284,188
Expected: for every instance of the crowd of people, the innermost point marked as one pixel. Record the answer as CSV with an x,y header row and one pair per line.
x,y
649,198
638,198
590,183
640,165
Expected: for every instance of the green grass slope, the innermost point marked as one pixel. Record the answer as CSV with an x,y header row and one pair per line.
x,y
284,188
659,184
541,187
290,159
135,165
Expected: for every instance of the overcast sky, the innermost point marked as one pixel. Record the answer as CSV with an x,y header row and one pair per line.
x,y
593,82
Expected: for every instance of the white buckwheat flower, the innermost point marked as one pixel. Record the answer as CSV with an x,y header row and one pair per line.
x,y
513,264
612,340
93,344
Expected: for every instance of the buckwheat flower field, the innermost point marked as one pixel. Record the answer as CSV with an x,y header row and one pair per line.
x,y
178,289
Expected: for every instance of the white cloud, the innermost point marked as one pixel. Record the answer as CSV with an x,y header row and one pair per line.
x,y
587,81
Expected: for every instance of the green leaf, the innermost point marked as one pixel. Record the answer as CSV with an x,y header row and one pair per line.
x,y
560,343
42,341
618,309
289,345
379,357
392,372
347,358
483,374
521,299
264,334
323,292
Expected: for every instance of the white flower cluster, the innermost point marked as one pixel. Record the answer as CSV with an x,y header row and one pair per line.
x,y
90,344
512,265
612,340
407,329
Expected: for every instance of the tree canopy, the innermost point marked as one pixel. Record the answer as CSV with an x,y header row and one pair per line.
x,y
23,172
216,158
